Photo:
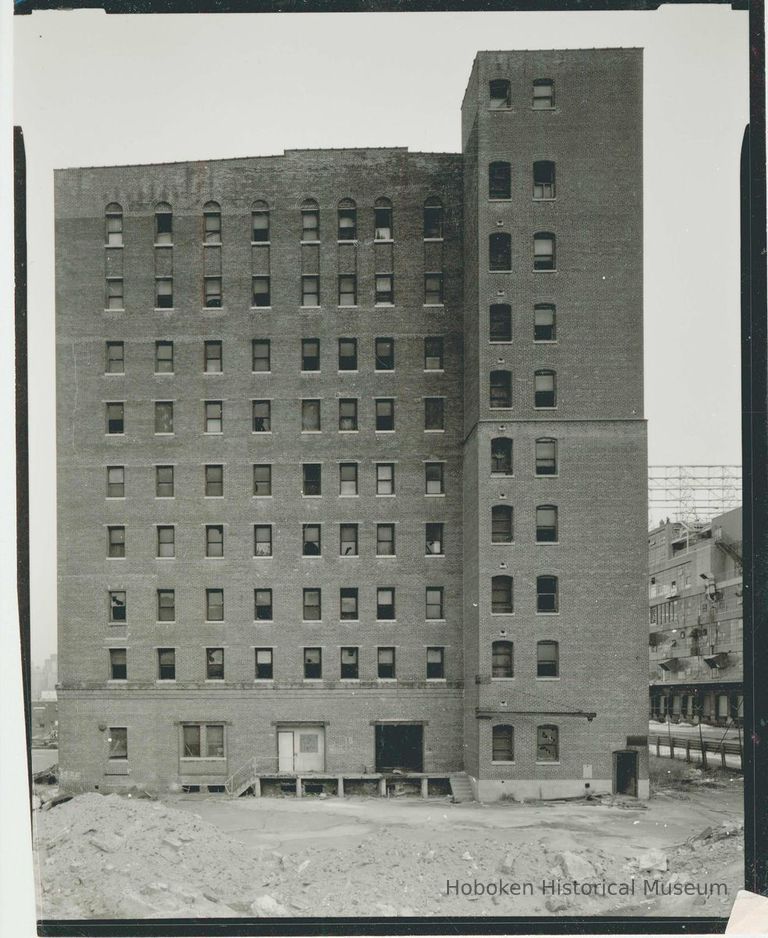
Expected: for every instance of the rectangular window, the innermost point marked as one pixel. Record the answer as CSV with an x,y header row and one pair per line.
x,y
499,93
262,480
313,663
311,544
214,605
348,478
164,487
384,354
261,412
166,664
434,603
348,413
260,355
543,179
434,478
214,540
192,737
264,664
385,540
348,603
115,481
163,416
118,664
385,289
348,290
433,353
503,744
262,540
546,594
310,224
214,481
117,606
433,289
500,323
311,479
312,609
348,540
543,251
212,293
211,225
260,292
434,546
435,664
116,541
547,744
166,540
434,413
544,393
115,417
214,664
118,742
114,227
500,389
385,603
310,290
310,416
214,741
262,600
163,225
115,358
214,416
543,94
166,605
547,663
382,222
350,670
347,354
212,357
310,354
114,298
385,661
544,323
260,226
546,457
385,478
163,292
502,595
546,524
385,413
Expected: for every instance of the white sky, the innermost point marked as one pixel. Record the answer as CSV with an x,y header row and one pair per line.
x,y
92,89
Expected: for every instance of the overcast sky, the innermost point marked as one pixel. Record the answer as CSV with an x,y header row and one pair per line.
x,y
92,89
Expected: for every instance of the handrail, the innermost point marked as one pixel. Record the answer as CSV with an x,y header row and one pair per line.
x,y
243,774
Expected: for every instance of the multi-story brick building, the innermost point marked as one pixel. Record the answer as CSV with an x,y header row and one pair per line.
x,y
696,621
352,456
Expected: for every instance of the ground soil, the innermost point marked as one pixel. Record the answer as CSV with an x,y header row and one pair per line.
x,y
206,855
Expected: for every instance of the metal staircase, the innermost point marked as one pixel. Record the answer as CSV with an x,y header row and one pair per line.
x,y
461,787
241,780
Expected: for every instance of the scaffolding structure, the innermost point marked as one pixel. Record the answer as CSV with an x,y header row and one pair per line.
x,y
692,494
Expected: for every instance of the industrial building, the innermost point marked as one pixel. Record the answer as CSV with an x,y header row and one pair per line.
x,y
352,458
696,621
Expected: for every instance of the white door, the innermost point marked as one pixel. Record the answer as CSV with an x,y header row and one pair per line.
x,y
309,754
285,751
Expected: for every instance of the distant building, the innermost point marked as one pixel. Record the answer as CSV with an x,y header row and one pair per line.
x,y
695,621
44,677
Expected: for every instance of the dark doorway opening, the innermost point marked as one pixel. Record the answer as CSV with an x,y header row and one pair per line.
x,y
400,746
625,773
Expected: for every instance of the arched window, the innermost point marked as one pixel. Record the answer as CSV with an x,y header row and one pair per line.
x,y
500,323
499,180
163,223
501,595
544,251
499,94
544,179
347,215
544,323
501,389
503,748
546,524
547,599
433,218
382,220
501,456
212,223
544,388
310,220
547,743
501,524
502,659
259,222
546,457
543,94
500,251
113,217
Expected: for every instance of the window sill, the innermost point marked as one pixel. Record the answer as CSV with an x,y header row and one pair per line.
x,y
502,613
433,239
348,556
538,613
545,270
545,341
386,621
383,431
547,199
316,241
511,678
436,620
115,498
114,309
382,303
435,371
547,542
214,680
262,371
547,678
263,680
166,680
349,495
353,621
500,270
313,680
263,621
213,622
384,371
434,429
349,306
434,494
348,431
162,244
544,408
165,622
165,309
548,762
115,434
309,371
263,556
436,680
547,475
159,374
117,374
302,495
114,245
348,371
385,495
267,243
499,198
349,680
311,306
303,431
117,680
311,621
502,762
387,680
386,556
434,305
202,758
269,307
264,432
253,496
434,555
347,240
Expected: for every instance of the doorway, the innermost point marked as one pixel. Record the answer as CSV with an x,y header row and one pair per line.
x,y
400,746
625,773
301,748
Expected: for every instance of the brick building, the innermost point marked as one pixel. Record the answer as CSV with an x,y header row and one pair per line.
x,y
696,621
352,458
